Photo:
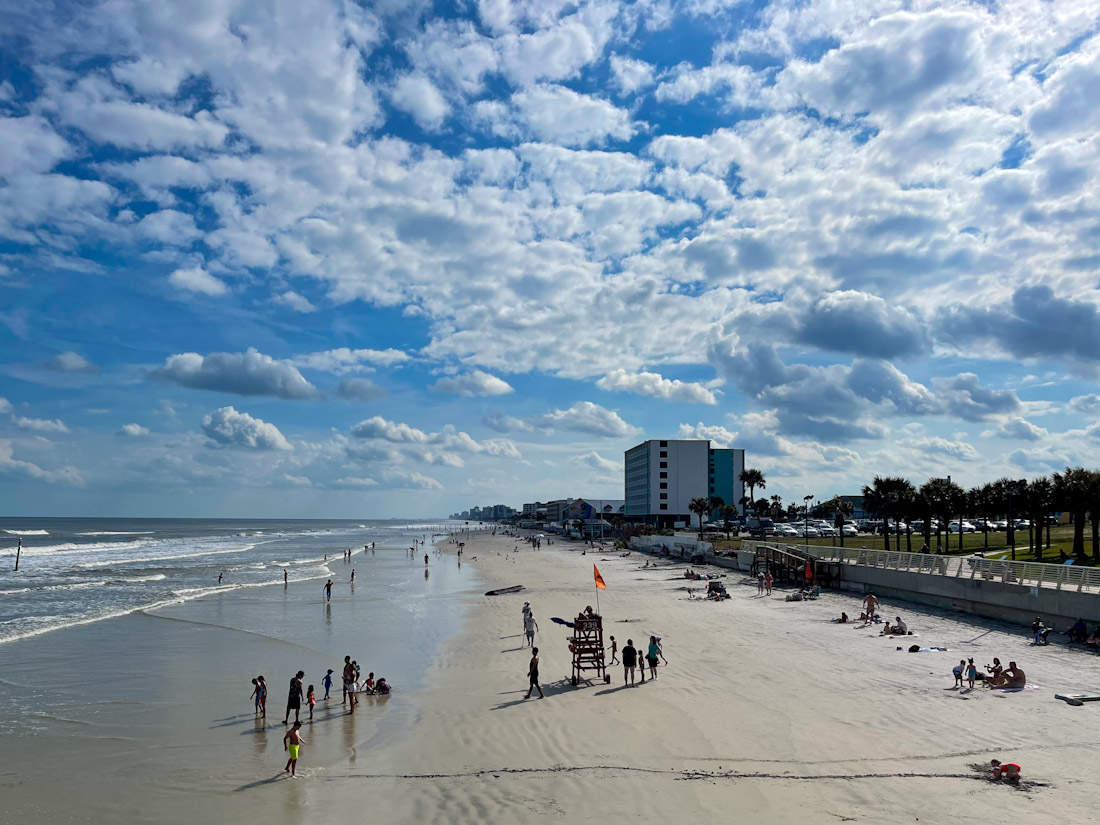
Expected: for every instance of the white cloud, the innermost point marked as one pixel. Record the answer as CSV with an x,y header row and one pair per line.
x,y
344,360
197,279
597,462
472,383
72,362
415,95
378,427
721,436
584,417
653,385
133,430
1018,429
228,427
403,480
10,464
5,405
292,300
629,75
556,114
41,425
241,373
354,482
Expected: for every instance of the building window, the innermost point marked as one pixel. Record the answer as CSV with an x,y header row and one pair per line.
x,y
664,506
664,475
664,443
664,465
664,485
664,495
664,454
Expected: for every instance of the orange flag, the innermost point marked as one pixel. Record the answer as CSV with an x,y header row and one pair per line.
x,y
599,579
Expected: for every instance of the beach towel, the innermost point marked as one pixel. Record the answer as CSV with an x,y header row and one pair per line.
x,y
1017,690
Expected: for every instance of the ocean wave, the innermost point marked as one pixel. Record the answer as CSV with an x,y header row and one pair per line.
x,y
74,585
143,559
156,577
117,533
27,532
90,547
13,592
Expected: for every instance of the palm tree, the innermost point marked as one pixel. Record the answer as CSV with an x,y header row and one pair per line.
x,y
728,513
943,499
1040,495
1073,491
875,501
700,506
777,506
753,478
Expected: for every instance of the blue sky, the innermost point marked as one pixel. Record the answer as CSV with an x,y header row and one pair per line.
x,y
349,259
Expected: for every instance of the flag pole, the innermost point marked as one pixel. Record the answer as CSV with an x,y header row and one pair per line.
x,y
18,553
597,600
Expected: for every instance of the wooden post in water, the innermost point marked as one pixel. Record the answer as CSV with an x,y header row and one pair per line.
x,y
18,552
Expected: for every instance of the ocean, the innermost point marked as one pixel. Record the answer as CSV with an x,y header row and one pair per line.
x,y
79,570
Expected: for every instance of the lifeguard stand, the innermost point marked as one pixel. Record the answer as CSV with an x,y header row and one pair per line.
x,y
587,644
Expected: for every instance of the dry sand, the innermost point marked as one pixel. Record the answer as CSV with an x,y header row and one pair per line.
x,y
768,712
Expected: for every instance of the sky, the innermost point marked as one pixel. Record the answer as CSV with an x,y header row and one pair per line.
x,y
323,258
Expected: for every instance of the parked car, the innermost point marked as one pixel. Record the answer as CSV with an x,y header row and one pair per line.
x,y
965,526
1023,524
786,531
810,532
849,530
999,525
826,530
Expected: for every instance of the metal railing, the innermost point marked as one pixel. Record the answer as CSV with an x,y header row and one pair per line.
x,y
1021,573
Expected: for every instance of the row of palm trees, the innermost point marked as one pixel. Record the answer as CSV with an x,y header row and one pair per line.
x,y
1077,490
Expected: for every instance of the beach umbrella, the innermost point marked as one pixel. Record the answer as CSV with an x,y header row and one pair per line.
x,y
557,620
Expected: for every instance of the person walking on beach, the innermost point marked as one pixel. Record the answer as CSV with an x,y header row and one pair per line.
x,y
529,627
759,584
327,683
348,673
294,700
614,651
353,576
425,559
524,612
630,659
311,700
768,582
256,693
262,696
284,577
533,675
651,656
327,590
292,741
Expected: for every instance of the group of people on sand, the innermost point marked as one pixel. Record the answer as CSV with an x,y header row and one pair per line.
x,y
632,659
996,675
1078,632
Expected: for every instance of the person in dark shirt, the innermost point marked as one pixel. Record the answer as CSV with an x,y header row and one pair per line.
x,y
630,660
533,675
294,700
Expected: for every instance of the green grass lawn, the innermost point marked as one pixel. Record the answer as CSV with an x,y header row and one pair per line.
x,y
1061,538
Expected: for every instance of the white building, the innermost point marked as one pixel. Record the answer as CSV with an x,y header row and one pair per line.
x,y
663,476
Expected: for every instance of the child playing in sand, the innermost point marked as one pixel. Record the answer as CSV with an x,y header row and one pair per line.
x,y
971,673
614,651
292,740
312,701
368,686
261,697
327,682
1009,771
256,693
958,671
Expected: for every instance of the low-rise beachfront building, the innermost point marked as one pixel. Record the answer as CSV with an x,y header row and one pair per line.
x,y
531,510
555,510
663,476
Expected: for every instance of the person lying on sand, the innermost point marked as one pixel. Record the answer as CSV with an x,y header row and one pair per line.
x,y
1094,639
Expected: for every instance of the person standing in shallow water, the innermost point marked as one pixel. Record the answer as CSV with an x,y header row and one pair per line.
x,y
327,589
425,559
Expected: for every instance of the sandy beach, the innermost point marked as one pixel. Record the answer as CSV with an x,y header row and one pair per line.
x,y
767,712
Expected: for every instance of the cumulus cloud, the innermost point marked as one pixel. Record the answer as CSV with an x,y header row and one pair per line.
x,y
654,385
596,461
243,373
197,279
1087,404
229,428
359,389
472,383
40,425
719,435
583,417
856,322
1018,429
133,430
403,480
964,396
5,405
557,114
354,482
72,362
440,448
417,96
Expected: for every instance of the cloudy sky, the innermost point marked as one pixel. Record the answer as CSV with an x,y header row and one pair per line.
x,y
324,258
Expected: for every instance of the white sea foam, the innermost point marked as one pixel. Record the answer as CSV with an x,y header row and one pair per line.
x,y
27,532
117,533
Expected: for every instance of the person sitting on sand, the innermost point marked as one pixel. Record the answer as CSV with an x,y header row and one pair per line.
x,y
1040,631
383,687
1079,632
1014,677
1094,639
843,618
1008,771
899,629
996,673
